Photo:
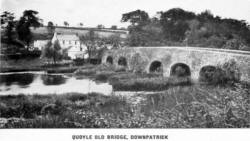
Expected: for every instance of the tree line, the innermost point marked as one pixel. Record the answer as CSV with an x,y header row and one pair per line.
x,y
174,27
178,27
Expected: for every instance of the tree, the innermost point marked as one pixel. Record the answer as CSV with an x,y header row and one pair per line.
x,y
29,19
66,23
174,23
137,17
122,28
89,40
143,30
7,22
114,27
50,28
114,40
53,51
205,16
100,26
6,17
179,27
138,20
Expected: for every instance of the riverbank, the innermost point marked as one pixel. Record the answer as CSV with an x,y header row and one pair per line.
x,y
38,64
178,107
21,65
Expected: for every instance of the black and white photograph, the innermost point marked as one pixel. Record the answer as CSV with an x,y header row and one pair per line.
x,y
125,64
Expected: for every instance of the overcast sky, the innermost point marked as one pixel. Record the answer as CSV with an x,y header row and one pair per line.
x,y
109,12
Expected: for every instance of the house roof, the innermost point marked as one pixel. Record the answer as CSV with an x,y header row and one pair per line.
x,y
71,37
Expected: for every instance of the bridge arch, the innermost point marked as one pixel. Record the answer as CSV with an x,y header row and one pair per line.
x,y
109,60
208,73
122,61
180,70
194,57
156,67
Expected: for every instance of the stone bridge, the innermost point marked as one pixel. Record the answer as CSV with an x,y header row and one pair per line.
x,y
194,60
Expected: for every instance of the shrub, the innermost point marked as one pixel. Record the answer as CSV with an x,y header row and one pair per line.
x,y
79,61
86,72
148,84
101,77
231,71
120,69
227,73
211,75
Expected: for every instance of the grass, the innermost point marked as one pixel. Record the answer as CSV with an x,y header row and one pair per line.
x,y
21,65
147,83
195,106
47,111
39,64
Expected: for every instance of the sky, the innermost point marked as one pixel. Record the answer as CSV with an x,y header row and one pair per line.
x,y
109,12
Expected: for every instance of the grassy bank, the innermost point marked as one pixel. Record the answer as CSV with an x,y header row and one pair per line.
x,y
21,65
51,111
178,107
38,64
146,83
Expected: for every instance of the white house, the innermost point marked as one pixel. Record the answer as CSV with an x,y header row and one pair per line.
x,y
39,44
72,43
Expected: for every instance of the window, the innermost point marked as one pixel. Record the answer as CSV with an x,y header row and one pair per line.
x,y
63,42
75,42
69,42
80,48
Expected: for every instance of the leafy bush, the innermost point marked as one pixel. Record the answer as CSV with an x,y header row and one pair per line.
x,y
79,62
231,71
227,73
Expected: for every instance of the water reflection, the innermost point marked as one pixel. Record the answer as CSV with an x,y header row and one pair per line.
x,y
40,83
53,79
19,79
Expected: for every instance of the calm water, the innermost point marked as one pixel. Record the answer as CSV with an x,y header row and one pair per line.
x,y
41,83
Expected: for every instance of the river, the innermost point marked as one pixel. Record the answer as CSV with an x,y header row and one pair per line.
x,y
43,83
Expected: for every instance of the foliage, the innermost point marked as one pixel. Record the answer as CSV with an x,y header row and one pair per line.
x,y
147,83
177,107
174,23
113,40
100,26
50,28
29,19
53,51
137,17
183,28
65,23
90,40
224,74
7,19
9,43
114,27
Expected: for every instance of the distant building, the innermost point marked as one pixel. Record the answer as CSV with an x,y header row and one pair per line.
x,y
39,44
72,43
